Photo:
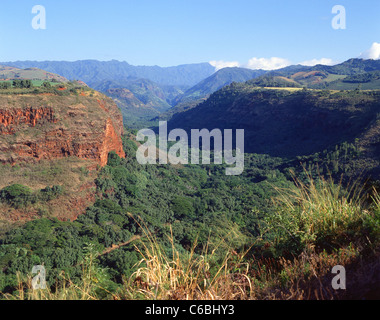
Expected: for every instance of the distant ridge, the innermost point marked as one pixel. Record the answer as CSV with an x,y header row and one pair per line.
x,y
93,71
343,76
13,73
218,80
201,91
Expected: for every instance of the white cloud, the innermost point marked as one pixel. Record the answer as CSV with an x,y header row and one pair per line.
x,y
314,62
224,64
272,63
267,63
372,53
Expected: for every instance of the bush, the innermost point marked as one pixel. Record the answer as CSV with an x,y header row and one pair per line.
x,y
5,85
50,193
17,196
113,159
183,207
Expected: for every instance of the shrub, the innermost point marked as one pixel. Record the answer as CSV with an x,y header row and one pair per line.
x,y
182,207
17,196
50,193
113,159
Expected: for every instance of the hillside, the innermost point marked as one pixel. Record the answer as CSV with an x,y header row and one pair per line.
x,y
331,77
269,81
200,92
140,100
157,101
217,81
12,73
362,81
149,93
136,114
288,122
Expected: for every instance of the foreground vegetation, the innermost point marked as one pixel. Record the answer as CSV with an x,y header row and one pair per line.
x,y
190,232
348,236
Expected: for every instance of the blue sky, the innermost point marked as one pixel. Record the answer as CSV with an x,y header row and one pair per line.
x,y
173,32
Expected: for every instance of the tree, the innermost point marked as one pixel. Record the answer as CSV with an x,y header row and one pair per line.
x,y
113,159
46,84
5,85
22,84
183,207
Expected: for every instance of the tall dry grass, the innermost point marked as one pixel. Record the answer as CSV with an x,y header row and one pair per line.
x,y
319,210
191,276
87,289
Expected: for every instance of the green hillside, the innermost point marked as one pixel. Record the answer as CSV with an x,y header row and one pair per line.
x,y
140,100
151,94
338,77
284,122
217,81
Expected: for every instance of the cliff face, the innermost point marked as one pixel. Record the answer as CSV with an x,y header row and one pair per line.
x,y
39,127
11,119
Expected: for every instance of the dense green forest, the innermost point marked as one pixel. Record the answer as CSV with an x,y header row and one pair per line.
x,y
179,206
198,202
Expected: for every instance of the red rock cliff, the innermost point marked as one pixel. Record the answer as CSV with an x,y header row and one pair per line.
x,y
36,127
12,118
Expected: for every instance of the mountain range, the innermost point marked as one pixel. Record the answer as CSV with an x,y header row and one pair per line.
x,y
92,71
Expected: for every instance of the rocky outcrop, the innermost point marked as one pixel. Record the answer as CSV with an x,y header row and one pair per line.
x,y
12,118
112,142
37,127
